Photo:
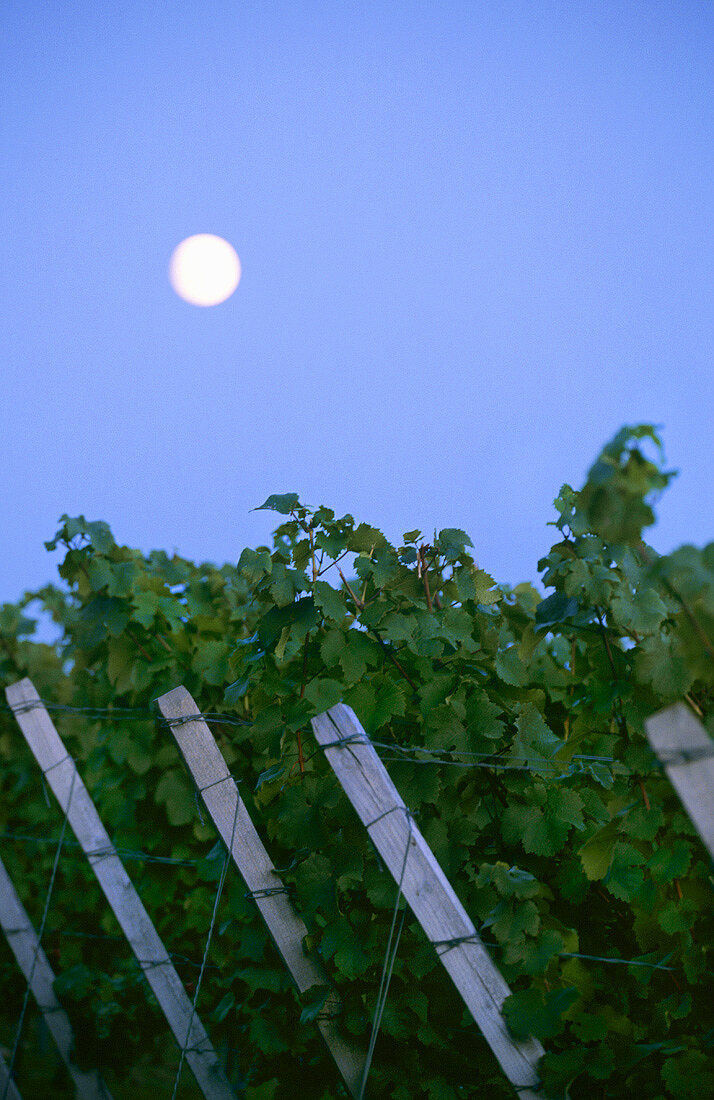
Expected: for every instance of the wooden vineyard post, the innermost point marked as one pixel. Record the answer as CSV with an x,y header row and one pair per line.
x,y
426,890
24,945
230,816
62,776
686,751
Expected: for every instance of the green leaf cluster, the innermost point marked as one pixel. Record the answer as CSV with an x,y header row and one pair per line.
x,y
512,724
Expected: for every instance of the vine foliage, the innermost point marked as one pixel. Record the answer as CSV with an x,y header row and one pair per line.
x,y
513,727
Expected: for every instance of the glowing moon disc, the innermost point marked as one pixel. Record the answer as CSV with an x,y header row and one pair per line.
x,y
204,270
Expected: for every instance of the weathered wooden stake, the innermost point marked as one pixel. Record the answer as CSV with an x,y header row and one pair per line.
x,y
426,889
220,795
686,751
61,774
24,945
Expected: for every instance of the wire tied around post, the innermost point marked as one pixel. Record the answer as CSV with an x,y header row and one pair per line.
x,y
673,757
454,941
214,783
267,892
341,742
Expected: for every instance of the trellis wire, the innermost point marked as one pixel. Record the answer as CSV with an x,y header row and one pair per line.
x,y
127,853
117,714
390,956
73,934
120,714
404,753
216,903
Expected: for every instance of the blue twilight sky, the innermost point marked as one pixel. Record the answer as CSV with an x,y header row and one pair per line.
x,y
476,239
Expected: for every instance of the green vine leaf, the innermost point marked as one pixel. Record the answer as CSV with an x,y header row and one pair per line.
x,y
173,792
536,1013
284,503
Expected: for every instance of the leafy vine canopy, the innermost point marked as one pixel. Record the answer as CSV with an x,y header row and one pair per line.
x,y
512,725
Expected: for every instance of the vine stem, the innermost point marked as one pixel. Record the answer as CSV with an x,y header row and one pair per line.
x,y
139,646
360,607
571,689
315,574
423,573
606,640
364,589
432,563
162,641
697,626
301,757
342,555
693,705
358,602
393,659
312,553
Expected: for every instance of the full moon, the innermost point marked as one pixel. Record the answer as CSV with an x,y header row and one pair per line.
x,y
204,270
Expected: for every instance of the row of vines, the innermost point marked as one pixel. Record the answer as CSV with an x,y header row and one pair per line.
x,y
539,794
